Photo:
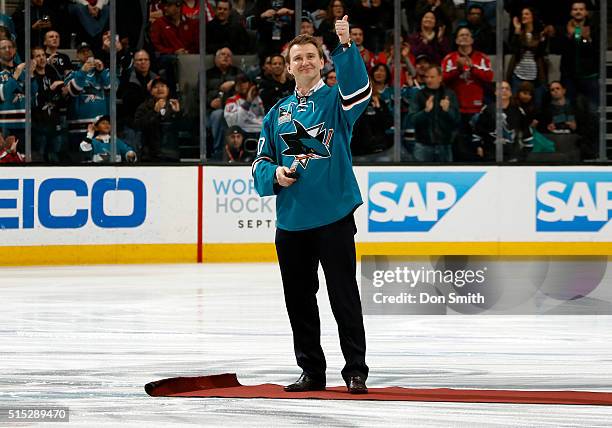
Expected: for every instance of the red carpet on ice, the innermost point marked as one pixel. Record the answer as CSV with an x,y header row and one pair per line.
x,y
228,386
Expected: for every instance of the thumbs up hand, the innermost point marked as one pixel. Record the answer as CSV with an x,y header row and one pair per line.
x,y
342,29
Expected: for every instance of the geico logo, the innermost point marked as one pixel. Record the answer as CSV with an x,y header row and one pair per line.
x,y
54,194
411,203
414,201
574,202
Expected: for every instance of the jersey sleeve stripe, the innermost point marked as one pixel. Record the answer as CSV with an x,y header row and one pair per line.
x,y
350,103
74,83
258,160
356,93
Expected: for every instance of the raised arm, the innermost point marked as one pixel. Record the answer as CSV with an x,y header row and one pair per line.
x,y
353,82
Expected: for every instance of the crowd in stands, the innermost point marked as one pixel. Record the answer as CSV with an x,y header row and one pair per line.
x,y
447,90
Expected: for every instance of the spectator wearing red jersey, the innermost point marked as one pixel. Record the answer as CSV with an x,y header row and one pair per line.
x,y
174,33
191,9
156,10
8,150
468,73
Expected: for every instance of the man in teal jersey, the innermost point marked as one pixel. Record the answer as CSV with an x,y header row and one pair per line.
x,y
304,158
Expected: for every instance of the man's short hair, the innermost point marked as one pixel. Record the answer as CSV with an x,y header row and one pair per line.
x,y
585,3
278,56
304,39
51,31
463,27
558,82
36,48
142,51
220,49
424,57
9,40
225,1
436,67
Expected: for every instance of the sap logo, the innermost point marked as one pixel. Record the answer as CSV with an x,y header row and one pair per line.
x,y
573,201
414,201
78,192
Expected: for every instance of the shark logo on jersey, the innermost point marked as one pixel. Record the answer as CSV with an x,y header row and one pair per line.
x,y
307,143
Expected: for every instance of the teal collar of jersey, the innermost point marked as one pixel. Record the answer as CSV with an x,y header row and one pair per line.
x,y
312,90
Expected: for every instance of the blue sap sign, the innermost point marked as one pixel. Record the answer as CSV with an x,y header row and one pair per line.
x,y
414,201
573,201
80,189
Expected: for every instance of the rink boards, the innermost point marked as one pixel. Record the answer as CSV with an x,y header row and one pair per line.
x,y
77,215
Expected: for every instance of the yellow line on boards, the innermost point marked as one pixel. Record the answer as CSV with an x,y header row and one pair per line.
x,y
265,252
98,254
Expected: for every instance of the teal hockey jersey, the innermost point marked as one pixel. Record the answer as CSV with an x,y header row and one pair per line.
x,y
99,148
89,92
313,133
12,99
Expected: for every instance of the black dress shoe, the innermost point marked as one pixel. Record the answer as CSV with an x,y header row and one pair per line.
x,y
356,385
306,383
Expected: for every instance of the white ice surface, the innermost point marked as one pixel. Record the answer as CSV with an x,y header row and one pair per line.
x,y
90,337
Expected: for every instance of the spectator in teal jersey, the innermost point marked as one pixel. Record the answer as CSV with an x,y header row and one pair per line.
x,y
97,143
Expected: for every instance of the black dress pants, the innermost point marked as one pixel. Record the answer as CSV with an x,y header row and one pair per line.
x,y
299,254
